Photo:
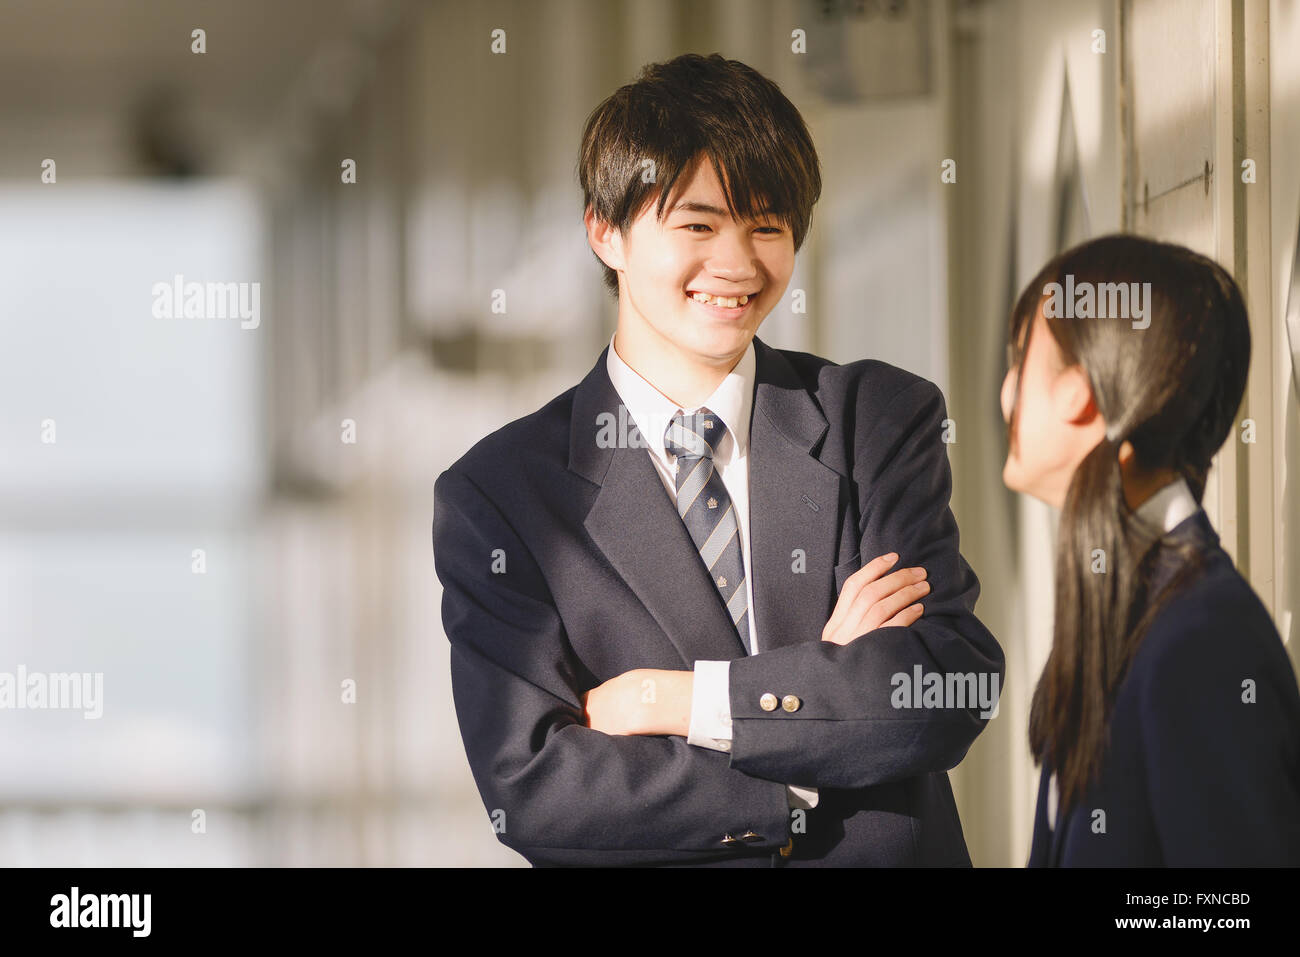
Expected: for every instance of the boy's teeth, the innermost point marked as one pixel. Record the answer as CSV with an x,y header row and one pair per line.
x,y
730,303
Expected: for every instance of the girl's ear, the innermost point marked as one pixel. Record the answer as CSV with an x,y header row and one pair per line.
x,y
1072,399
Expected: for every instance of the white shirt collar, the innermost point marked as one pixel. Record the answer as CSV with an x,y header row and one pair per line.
x,y
1168,508
652,411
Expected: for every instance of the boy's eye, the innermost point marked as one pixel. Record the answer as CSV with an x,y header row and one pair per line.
x,y
771,229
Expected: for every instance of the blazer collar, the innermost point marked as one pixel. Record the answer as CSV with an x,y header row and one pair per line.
x,y
778,395
652,411
1167,508
1194,530
794,501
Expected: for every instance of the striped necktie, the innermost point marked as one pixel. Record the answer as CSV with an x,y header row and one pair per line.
x,y
707,511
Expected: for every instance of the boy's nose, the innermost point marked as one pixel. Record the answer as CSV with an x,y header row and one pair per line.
x,y
733,259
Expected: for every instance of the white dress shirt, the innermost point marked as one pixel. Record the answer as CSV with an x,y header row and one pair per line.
x,y
731,401
1162,512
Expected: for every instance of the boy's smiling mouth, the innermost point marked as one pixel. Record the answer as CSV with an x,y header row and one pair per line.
x,y
725,306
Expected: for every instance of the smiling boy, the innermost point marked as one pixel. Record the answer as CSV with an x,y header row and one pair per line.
x,y
667,650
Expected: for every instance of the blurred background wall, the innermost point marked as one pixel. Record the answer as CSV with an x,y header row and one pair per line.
x,y
231,519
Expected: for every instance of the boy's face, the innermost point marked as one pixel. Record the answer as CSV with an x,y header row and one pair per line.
x,y
661,265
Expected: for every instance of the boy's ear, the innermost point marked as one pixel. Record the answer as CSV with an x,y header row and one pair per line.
x,y
1072,397
605,240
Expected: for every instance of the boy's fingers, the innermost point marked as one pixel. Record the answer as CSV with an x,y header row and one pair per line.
x,y
887,607
896,582
905,618
871,571
882,562
876,592
908,616
856,582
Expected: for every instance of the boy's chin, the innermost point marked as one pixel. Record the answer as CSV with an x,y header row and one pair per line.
x,y
717,340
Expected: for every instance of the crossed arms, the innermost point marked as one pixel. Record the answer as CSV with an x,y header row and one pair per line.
x,y
569,793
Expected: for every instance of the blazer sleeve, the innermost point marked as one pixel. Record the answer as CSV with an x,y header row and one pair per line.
x,y
558,792
850,730
1220,735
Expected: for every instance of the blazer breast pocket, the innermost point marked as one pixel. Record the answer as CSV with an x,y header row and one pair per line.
x,y
844,569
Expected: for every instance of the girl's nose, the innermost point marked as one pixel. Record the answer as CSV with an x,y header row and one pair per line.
x,y
1008,394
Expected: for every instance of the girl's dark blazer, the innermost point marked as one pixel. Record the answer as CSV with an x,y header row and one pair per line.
x,y
1203,764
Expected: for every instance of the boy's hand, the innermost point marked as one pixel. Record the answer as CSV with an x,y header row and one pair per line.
x,y
655,701
641,701
867,601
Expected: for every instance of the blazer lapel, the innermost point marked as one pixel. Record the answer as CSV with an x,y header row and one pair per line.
x,y
634,523
1194,530
794,504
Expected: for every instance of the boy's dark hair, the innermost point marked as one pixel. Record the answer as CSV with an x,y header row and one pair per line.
x,y
682,110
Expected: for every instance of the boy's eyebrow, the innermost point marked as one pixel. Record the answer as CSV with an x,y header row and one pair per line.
x,y
691,206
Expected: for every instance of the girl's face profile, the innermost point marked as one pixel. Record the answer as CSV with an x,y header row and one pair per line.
x,y
1056,421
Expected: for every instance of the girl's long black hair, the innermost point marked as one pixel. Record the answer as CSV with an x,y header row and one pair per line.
x,y
1172,389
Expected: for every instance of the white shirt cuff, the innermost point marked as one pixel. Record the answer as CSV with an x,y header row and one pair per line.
x,y
710,724
805,798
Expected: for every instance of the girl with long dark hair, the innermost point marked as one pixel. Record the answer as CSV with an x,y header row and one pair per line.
x,y
1167,718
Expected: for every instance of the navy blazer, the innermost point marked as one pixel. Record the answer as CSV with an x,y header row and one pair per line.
x,y
600,577
1194,775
